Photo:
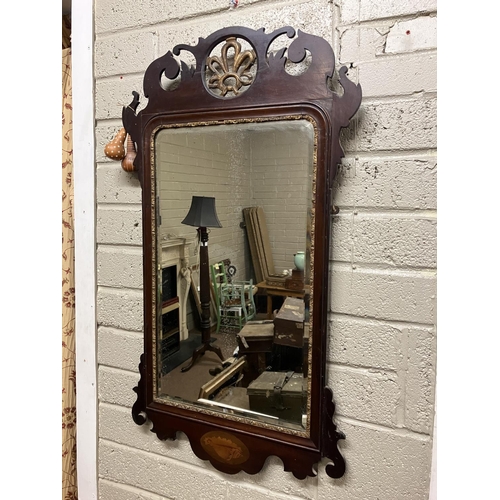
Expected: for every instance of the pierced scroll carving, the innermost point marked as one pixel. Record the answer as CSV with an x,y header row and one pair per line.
x,y
331,437
139,407
269,88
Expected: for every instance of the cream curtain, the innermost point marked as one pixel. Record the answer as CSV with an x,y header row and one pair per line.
x,y
69,485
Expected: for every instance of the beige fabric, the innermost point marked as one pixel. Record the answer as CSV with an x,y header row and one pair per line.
x,y
69,485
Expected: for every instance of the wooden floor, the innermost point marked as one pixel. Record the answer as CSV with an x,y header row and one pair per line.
x,y
187,385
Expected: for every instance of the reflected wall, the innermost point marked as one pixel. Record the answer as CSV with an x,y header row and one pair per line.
x,y
267,164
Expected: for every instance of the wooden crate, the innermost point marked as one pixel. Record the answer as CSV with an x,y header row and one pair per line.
x,y
280,394
289,323
255,340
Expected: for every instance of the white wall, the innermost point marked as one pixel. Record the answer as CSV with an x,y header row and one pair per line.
x,y
270,166
205,164
383,254
282,166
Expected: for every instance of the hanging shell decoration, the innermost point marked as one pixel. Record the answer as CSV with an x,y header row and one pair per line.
x,y
115,150
128,161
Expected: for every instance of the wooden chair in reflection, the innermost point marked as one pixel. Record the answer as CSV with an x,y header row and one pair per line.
x,y
234,299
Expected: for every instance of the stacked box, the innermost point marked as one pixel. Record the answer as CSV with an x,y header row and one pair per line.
x,y
289,323
280,394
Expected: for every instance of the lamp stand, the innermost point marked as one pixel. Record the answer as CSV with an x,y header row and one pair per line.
x,y
205,303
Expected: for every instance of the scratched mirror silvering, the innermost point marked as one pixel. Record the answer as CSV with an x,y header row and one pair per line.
x,y
261,176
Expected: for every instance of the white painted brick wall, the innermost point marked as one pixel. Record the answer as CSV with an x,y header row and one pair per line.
x,y
271,15
119,267
389,36
419,391
373,395
114,93
395,125
120,308
120,348
364,343
121,53
119,224
382,338
385,464
114,386
281,183
389,240
388,183
384,294
353,11
114,185
205,165
412,35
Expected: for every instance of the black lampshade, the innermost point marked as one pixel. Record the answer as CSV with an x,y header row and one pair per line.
x,y
202,213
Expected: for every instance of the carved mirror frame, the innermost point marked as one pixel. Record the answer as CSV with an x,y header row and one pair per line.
x,y
230,93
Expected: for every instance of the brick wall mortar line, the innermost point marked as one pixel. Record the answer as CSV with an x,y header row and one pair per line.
x,y
385,153
120,245
133,489
395,324
204,469
156,45
389,20
382,213
104,288
198,18
364,370
114,369
109,247
414,54
336,35
113,78
402,372
119,206
112,122
122,288
107,404
402,155
414,96
400,432
382,269
120,331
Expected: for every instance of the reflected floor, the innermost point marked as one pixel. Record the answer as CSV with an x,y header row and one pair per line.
x,y
186,386
230,392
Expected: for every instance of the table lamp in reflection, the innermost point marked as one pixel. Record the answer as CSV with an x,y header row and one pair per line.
x,y
202,215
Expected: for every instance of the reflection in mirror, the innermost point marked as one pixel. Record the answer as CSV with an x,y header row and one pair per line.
x,y
261,176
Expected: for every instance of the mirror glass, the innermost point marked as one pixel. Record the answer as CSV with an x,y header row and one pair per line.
x,y
261,174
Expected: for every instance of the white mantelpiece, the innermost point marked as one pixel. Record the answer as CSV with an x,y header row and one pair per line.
x,y
175,252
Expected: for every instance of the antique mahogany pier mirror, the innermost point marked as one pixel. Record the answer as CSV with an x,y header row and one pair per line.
x,y
247,123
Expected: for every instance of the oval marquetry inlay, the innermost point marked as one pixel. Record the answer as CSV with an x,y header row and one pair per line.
x,y
225,447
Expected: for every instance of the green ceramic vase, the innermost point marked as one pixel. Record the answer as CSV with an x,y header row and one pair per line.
x,y
299,259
